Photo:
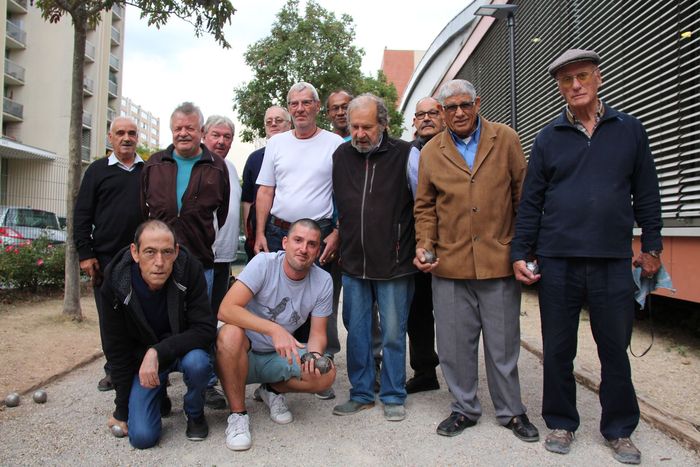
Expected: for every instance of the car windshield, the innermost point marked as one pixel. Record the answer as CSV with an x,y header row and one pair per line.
x,y
32,218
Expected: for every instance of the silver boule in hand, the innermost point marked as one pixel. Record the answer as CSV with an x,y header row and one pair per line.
x,y
532,267
429,257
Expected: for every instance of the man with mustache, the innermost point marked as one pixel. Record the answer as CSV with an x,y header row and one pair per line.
x,y
106,213
428,122
295,182
337,110
186,186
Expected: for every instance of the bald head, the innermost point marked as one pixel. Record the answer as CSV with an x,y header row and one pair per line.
x,y
428,119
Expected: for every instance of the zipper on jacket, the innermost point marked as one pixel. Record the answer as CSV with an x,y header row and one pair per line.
x,y
398,241
371,181
362,221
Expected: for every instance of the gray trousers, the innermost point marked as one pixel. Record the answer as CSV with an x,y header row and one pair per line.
x,y
465,309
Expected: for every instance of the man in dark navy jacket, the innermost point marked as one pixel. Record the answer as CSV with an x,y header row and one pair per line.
x,y
591,176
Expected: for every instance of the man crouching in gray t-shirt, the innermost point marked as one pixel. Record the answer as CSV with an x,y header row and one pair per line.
x,y
273,296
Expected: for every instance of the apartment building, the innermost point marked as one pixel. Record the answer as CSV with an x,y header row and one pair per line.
x,y
36,86
147,123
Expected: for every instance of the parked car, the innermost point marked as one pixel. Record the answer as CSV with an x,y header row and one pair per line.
x,y
18,224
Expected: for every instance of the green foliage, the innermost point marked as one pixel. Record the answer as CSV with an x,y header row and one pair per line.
x,y
316,47
31,264
381,87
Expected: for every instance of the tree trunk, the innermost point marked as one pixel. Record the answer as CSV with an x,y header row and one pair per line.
x,y
71,297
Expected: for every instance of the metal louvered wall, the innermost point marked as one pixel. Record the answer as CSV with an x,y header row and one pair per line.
x,y
651,69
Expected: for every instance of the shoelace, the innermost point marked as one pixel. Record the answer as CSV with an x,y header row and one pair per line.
x,y
278,405
239,426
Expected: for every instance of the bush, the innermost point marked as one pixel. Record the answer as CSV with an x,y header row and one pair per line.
x,y
31,264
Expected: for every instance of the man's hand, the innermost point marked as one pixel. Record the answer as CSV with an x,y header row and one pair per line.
x,y
113,421
310,373
148,373
91,267
286,345
260,244
650,264
329,252
523,274
421,264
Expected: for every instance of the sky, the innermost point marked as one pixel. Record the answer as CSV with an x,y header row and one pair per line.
x,y
164,67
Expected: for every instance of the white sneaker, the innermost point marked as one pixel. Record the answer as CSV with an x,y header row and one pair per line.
x,y
279,412
238,432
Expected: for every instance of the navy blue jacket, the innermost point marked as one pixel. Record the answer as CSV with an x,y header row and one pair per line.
x,y
582,196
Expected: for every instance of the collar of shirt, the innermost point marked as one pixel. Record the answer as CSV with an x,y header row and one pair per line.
x,y
112,160
600,111
467,146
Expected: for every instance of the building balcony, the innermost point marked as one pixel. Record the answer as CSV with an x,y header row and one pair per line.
x,y
85,153
88,86
111,115
117,11
16,36
12,111
87,119
89,51
112,89
116,36
17,6
14,74
113,62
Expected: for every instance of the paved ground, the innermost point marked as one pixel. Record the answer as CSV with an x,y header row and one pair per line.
x,y
70,430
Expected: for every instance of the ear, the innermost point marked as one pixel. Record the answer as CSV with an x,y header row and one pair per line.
x,y
284,242
134,252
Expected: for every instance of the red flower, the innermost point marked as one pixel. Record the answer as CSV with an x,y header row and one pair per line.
x,y
40,262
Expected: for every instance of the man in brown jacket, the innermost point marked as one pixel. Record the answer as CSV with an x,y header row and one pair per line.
x,y
469,184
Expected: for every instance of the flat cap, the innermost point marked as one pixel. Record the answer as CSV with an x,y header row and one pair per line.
x,y
572,56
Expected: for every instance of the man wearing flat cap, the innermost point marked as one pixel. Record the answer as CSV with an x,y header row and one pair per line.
x,y
591,176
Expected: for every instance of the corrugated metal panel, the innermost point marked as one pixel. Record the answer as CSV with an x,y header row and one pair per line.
x,y
650,69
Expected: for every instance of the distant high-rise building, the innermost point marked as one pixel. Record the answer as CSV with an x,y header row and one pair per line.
x,y
147,123
36,85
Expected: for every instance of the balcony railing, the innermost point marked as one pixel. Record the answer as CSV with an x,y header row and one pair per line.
x,y
113,88
17,6
116,36
88,85
85,153
87,119
118,11
14,70
111,114
113,62
16,32
90,51
12,108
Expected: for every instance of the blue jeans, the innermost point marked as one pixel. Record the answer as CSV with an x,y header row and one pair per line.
x,y
144,403
394,299
209,277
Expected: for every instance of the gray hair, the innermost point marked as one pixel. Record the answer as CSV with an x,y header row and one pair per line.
x,y
218,120
362,99
188,108
128,119
285,112
302,85
454,88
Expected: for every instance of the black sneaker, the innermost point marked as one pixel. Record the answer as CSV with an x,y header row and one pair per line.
x,y
214,399
105,384
454,424
197,428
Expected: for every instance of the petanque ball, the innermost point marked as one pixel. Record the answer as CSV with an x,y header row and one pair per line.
x,y
117,431
39,396
323,364
532,267
429,257
306,357
12,400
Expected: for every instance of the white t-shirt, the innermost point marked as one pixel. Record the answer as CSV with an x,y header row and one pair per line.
x,y
301,171
278,298
226,242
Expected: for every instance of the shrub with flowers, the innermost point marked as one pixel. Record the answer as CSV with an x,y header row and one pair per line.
x,y
31,264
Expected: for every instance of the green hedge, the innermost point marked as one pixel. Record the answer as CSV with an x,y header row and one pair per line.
x,y
32,264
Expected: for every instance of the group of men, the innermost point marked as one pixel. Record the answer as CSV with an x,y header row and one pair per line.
x,y
429,239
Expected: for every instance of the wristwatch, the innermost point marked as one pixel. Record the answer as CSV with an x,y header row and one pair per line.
x,y
655,253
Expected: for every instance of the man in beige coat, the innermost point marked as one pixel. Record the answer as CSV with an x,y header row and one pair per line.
x,y
469,184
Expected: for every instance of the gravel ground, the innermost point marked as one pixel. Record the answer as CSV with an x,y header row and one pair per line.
x,y
71,430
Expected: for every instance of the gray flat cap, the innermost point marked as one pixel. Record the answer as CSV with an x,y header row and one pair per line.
x,y
572,56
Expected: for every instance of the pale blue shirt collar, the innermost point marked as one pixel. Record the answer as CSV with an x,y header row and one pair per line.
x,y
467,147
112,160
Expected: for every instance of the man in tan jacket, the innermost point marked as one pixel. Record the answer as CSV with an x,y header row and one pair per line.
x,y
469,184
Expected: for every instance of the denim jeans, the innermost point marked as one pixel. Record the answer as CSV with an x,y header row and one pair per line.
x,y
144,403
394,298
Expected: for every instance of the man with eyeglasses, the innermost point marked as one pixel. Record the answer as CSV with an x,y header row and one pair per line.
x,y
428,122
295,183
158,321
591,176
469,186
277,120
337,111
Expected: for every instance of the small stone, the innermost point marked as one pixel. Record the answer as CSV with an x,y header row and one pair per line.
x,y
12,400
39,396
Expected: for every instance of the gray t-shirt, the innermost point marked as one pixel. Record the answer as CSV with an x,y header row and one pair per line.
x,y
278,298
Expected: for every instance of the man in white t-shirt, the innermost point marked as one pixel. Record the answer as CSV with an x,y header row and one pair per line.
x,y
274,295
295,183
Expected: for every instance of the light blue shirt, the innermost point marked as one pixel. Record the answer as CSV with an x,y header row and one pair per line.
x,y
184,170
467,147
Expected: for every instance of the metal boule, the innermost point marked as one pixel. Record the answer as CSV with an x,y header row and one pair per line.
x,y
307,357
323,364
429,257
39,396
12,399
117,431
532,267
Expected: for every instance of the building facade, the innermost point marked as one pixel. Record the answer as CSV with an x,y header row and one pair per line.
x,y
36,83
147,123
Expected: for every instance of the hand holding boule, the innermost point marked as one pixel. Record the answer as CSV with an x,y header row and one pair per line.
x,y
323,364
429,257
533,267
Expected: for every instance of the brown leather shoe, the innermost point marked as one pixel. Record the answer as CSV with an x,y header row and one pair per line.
x,y
559,441
625,451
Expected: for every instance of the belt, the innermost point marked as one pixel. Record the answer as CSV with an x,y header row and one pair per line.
x,y
284,225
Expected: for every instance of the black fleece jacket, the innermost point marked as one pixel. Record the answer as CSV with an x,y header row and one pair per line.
x,y
127,334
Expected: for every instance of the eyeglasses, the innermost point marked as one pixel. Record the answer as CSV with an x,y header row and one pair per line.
x,y
337,108
465,106
305,103
276,121
583,78
151,253
430,113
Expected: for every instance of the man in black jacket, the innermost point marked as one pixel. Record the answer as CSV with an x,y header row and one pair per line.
x,y
158,321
